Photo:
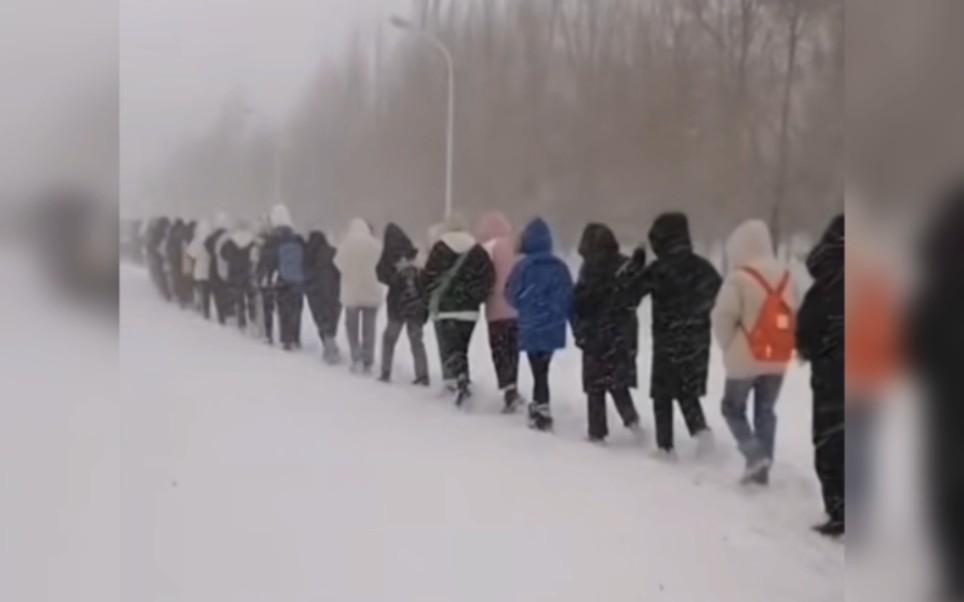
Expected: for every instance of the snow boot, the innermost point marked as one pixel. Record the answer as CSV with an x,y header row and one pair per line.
x,y
512,400
384,378
705,443
421,381
637,432
540,419
833,528
755,470
463,393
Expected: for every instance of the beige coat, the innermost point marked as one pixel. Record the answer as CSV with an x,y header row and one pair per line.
x,y
741,299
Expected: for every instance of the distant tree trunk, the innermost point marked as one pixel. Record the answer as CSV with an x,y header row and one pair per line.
x,y
783,160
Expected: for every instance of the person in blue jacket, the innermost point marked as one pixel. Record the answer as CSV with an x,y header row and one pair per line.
x,y
540,289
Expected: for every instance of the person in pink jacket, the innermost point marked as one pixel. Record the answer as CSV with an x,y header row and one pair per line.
x,y
495,234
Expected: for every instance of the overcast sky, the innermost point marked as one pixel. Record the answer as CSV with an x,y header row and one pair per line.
x,y
180,59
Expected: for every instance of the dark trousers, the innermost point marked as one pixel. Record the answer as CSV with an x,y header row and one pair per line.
x,y
290,305
598,423
829,446
268,302
239,299
415,338
203,297
360,328
663,410
454,337
539,364
220,294
504,343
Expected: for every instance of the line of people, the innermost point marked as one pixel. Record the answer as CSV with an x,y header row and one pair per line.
x,y
526,293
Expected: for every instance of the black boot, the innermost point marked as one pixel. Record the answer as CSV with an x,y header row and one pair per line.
x,y
421,381
463,392
833,528
540,419
512,400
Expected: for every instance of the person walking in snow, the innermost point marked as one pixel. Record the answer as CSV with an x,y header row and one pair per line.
x,y
323,289
495,234
201,268
540,290
684,287
218,274
282,259
407,302
820,341
458,278
157,235
174,256
361,293
236,254
606,328
754,323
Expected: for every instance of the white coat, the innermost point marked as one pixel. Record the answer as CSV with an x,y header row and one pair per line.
x,y
196,251
741,299
357,259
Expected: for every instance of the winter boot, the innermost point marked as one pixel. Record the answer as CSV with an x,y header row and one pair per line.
x,y
384,378
330,352
512,400
540,418
705,443
421,381
463,392
833,528
639,435
754,470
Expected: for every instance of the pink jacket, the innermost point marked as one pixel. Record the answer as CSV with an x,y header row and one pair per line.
x,y
495,234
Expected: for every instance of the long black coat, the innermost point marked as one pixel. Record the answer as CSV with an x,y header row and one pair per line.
x,y
322,283
820,329
396,269
457,289
211,246
604,321
683,286
936,340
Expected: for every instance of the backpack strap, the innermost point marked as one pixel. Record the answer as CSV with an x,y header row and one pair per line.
x,y
779,290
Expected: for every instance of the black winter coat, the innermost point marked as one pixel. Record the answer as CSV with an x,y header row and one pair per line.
x,y
936,339
683,286
604,320
237,254
406,299
453,288
820,329
322,283
211,246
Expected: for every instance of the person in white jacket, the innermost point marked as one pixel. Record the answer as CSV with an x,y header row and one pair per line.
x,y
757,302
361,293
202,267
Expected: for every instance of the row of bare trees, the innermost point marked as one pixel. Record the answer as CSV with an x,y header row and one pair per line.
x,y
578,110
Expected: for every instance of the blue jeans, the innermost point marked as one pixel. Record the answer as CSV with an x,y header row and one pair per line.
x,y
757,441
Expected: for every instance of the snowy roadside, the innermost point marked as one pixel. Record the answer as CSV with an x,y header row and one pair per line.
x,y
249,474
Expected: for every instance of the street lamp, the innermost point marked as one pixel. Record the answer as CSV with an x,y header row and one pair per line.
x,y
407,26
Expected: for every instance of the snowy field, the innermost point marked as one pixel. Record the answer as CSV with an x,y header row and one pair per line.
x,y
249,474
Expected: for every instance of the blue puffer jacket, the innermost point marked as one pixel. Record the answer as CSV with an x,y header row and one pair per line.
x,y
540,289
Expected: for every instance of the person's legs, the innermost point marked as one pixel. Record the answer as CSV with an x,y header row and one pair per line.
x,y
736,393
539,363
623,400
829,463
504,343
268,297
766,391
463,338
443,338
598,427
540,417
352,315
392,331
204,297
663,414
369,314
692,409
419,357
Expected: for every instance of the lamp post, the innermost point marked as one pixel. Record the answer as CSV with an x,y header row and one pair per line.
x,y
407,26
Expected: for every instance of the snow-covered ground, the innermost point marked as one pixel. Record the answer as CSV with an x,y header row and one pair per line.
x,y
249,474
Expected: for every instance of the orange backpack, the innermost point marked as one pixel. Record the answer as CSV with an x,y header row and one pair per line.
x,y
773,338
